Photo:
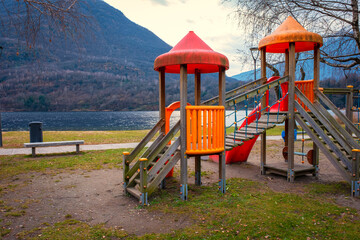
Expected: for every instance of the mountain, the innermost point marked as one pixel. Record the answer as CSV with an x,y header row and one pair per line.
x,y
109,68
326,72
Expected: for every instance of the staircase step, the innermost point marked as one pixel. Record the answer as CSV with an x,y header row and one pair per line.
x,y
341,149
261,125
233,143
271,119
228,148
239,137
134,192
250,131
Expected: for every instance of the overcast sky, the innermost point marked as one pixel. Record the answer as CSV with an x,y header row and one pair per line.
x,y
171,20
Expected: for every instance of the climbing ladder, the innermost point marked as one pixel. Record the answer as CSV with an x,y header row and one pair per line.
x,y
264,119
333,140
259,126
145,174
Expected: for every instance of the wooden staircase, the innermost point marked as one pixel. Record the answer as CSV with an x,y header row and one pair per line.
x,y
145,175
257,127
333,140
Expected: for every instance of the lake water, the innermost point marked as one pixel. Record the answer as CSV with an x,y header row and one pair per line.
x,y
90,121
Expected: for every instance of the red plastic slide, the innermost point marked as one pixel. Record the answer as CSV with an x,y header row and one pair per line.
x,y
241,153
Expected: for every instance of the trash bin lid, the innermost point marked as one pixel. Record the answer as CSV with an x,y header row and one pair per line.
x,y
35,123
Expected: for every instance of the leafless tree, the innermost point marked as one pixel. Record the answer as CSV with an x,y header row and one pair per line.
x,y
30,19
336,20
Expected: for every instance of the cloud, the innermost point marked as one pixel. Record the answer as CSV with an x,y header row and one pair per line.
x,y
160,2
190,21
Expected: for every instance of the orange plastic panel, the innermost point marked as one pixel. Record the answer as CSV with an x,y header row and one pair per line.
x,y
307,88
205,129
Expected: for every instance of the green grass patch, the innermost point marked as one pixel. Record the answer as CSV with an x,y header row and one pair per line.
x,y
249,210
328,188
4,231
73,229
17,139
11,166
15,213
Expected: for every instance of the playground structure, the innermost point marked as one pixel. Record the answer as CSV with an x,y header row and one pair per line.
x,y
202,126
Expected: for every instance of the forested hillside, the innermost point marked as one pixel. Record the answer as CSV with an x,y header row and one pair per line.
x,y
108,68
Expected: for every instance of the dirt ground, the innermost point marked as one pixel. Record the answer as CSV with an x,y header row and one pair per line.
x,y
98,197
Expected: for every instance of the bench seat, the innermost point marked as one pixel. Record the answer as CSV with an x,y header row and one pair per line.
x,y
34,145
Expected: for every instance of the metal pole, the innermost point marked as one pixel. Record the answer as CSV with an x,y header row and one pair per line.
x,y
252,50
263,103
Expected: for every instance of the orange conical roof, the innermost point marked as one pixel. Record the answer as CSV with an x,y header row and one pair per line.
x,y
290,31
194,52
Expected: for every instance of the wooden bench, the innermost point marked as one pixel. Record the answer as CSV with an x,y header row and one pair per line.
x,y
53,144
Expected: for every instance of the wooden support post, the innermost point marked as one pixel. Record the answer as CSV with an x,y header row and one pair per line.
x,y
291,112
286,74
162,107
143,182
183,161
316,87
126,167
263,105
355,185
162,97
222,91
349,105
316,67
77,148
197,102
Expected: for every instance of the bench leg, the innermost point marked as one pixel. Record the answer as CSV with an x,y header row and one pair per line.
x,y
33,151
77,148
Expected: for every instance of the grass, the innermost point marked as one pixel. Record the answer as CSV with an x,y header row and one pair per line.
x,y
17,139
73,229
249,210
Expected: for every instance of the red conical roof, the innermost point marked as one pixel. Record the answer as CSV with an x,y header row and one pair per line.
x,y
194,52
290,31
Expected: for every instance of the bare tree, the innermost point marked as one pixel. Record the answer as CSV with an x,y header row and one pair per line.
x,y
336,20
30,19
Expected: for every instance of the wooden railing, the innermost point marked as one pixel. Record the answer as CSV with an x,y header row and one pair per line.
x,y
205,129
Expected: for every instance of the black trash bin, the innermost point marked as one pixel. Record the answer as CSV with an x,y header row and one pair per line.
x,y
36,134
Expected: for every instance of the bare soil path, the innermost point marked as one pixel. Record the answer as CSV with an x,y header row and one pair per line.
x,y
98,197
